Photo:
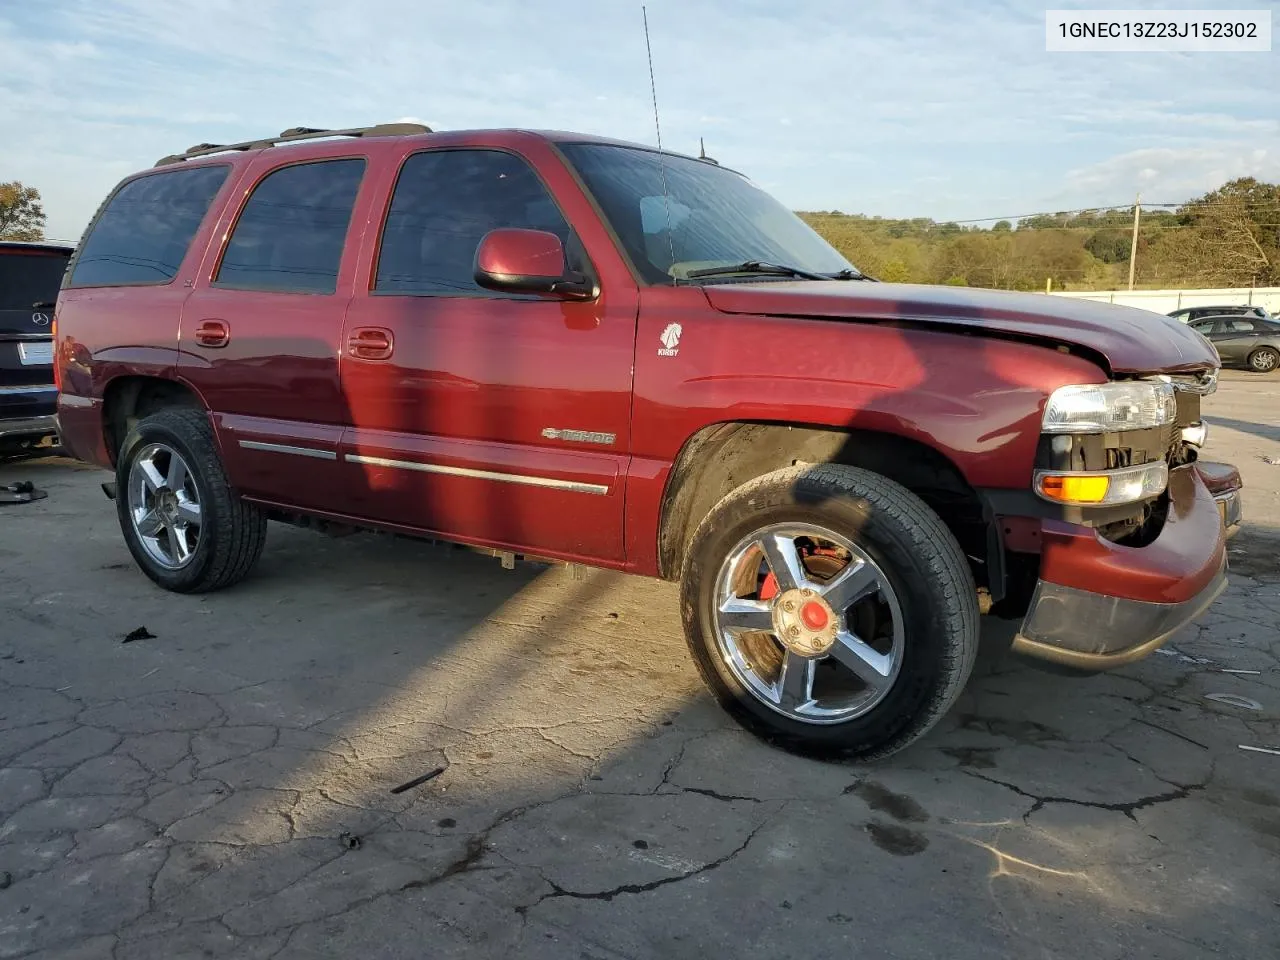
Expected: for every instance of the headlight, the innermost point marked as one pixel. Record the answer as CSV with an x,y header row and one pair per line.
x,y
1110,407
1103,487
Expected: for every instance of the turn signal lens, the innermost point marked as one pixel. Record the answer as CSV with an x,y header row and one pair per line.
x,y
1075,489
1104,487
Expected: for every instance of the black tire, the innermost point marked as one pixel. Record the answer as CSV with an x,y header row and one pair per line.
x,y
917,554
1264,360
232,532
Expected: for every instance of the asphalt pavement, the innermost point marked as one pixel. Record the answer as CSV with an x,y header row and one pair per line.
x,y
225,783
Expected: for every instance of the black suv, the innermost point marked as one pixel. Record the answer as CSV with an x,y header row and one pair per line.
x,y
30,274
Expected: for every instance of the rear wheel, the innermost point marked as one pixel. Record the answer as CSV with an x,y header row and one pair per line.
x,y
184,525
1264,359
830,611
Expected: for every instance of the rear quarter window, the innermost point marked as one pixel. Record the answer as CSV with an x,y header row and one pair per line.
x,y
142,235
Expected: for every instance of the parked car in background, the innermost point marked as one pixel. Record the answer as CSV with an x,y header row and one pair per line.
x,y
30,274
1243,341
564,347
1192,314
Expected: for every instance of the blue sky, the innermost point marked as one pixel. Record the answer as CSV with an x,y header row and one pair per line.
x,y
910,108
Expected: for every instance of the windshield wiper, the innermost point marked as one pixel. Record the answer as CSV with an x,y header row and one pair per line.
x,y
755,266
848,274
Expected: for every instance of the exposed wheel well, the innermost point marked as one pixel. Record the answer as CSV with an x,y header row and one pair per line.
x,y
722,457
129,399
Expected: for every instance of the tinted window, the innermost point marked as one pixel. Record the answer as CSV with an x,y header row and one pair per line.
x,y
29,278
143,234
1202,326
291,232
445,202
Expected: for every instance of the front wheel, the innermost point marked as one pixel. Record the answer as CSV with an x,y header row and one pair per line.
x,y
184,525
1264,359
830,611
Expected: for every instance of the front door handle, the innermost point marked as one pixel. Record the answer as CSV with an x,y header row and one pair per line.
x,y
213,333
370,343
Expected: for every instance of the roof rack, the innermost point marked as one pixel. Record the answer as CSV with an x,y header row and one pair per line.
x,y
296,133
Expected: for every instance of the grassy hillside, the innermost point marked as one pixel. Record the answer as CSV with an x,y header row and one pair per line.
x,y
1228,237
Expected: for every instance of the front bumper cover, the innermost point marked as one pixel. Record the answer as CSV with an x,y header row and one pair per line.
x,y
1093,630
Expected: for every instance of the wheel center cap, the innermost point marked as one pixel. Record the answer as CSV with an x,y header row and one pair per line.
x,y
804,622
814,615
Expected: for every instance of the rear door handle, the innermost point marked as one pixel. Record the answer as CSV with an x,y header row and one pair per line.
x,y
371,343
213,333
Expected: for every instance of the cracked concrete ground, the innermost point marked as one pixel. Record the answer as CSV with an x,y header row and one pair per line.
x,y
223,789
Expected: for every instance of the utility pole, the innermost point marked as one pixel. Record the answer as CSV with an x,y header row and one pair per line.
x,y
1133,247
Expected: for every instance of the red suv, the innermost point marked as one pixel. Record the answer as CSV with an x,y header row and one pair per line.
x,y
565,347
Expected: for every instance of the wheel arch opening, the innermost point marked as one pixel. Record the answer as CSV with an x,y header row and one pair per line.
x,y
128,399
721,457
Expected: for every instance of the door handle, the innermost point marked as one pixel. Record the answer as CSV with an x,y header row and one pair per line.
x,y
213,333
370,343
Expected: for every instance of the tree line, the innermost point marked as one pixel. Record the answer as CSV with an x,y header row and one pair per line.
x,y
1230,237
1227,238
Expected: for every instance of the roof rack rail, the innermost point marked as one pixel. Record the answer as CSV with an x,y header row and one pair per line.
x,y
296,133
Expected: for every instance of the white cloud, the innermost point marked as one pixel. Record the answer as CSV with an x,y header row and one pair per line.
x,y
875,107
1171,174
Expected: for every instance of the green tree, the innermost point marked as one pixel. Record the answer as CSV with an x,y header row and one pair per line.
x,y
21,215
1230,236
1109,246
1237,228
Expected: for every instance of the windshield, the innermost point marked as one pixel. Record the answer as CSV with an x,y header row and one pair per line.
x,y
29,278
706,217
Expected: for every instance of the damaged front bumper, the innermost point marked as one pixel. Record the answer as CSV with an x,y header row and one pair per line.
x,y
1100,604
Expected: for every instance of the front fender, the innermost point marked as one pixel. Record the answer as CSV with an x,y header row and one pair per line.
x,y
976,400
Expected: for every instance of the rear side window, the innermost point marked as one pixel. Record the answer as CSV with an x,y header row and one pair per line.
x,y
30,278
445,202
290,235
1237,326
146,228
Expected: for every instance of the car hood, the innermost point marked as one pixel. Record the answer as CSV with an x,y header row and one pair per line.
x,y
1130,340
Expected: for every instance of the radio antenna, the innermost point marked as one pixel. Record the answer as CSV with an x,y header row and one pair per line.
x,y
657,129
653,87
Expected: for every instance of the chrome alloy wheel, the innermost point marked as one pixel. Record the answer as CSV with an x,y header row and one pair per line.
x,y
808,623
164,505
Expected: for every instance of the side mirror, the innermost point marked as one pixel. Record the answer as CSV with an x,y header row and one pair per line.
x,y
528,261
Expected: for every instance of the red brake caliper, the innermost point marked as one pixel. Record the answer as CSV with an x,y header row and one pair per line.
x,y
769,585
769,588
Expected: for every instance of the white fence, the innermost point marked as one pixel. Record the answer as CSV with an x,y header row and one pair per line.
x,y
1166,301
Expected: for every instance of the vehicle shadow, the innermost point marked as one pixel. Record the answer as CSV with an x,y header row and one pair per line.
x,y
1267,431
592,801
238,783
